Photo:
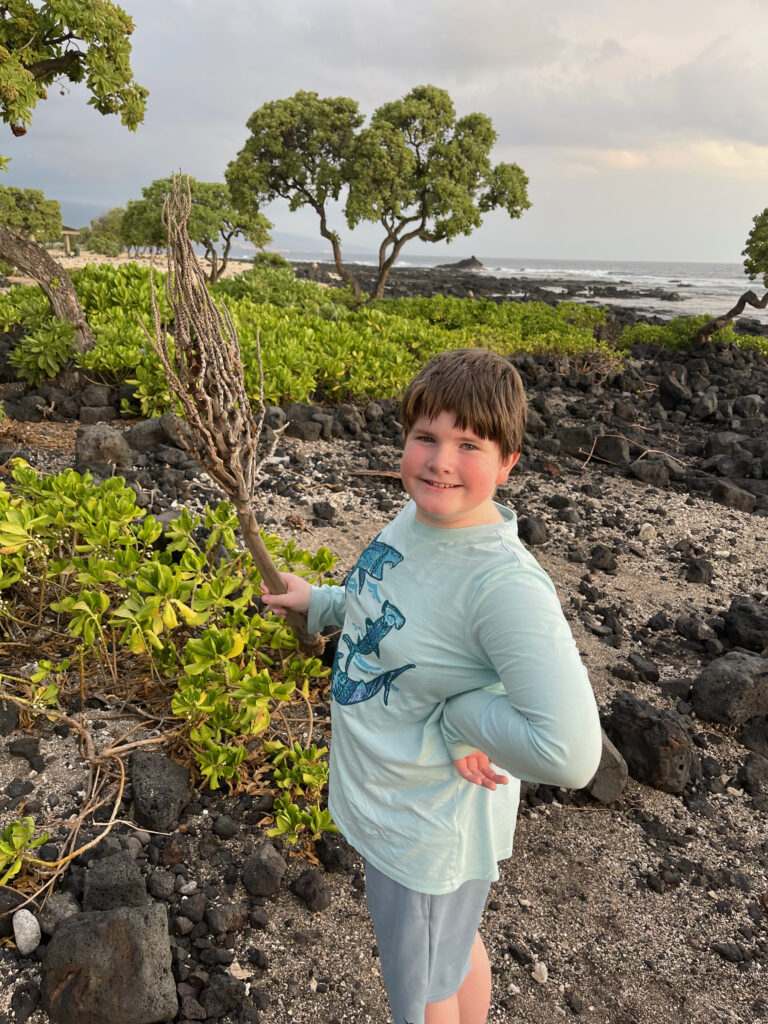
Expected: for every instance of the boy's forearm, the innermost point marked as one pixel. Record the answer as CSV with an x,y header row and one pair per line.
x,y
560,750
327,607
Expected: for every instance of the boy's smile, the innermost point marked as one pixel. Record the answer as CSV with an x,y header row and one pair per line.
x,y
452,474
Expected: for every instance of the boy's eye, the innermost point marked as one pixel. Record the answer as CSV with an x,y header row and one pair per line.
x,y
472,447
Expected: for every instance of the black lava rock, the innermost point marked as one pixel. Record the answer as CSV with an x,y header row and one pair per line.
x,y
310,887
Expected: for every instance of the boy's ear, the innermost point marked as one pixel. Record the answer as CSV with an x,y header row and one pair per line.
x,y
506,467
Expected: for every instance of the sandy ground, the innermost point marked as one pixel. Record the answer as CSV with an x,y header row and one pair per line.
x,y
86,258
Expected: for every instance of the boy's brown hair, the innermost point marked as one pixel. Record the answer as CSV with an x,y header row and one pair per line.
x,y
482,389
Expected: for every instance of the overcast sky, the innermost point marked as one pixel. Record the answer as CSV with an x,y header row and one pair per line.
x,y
642,126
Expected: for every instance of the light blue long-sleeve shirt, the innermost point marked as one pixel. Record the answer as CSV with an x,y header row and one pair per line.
x,y
452,641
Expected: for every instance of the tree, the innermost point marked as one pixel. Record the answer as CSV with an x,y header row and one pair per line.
x,y
27,211
62,41
66,40
214,220
27,219
140,228
105,233
297,150
755,252
416,169
755,255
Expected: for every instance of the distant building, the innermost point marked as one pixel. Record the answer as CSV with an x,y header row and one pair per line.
x,y
68,233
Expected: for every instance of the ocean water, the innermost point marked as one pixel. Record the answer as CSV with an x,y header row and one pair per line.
x,y
702,287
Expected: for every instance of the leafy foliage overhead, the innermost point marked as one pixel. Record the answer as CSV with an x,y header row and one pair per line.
x,y
416,169
67,40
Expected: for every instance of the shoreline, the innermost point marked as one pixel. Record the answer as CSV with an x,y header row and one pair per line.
x,y
628,302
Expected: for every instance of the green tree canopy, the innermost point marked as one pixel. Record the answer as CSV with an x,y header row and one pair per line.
x,y
755,252
28,212
105,233
416,169
142,225
73,40
214,220
298,150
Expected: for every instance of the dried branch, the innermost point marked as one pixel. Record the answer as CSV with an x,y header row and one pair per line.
x,y
205,374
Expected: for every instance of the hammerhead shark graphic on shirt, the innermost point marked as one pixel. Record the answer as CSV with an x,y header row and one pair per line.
x,y
372,562
347,690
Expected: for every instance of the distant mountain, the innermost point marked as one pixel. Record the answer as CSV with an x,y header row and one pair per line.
x,y
293,246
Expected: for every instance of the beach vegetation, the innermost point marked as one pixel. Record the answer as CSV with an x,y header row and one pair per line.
x,y
215,221
99,583
416,169
315,346
16,841
42,44
104,235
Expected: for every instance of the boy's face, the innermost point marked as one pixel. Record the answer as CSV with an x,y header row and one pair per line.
x,y
452,474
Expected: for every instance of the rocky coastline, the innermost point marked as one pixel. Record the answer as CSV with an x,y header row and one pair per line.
x,y
462,280
643,490
468,279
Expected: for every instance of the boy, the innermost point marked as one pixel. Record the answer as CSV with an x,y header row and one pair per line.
x,y
453,650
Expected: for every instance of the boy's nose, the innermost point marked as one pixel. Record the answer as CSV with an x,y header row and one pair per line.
x,y
440,459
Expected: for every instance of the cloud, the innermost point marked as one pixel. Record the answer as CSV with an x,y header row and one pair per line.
x,y
594,92
625,159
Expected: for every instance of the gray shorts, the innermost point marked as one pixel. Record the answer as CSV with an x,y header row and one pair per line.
x,y
424,941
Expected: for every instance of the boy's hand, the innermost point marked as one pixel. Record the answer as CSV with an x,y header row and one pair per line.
x,y
477,768
295,599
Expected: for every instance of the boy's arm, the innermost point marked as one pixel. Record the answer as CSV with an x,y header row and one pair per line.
x,y
327,606
545,728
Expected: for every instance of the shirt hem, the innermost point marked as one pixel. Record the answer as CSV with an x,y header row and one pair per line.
x,y
429,889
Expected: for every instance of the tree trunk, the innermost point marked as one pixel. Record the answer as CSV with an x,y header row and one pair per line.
x,y
227,239
704,334
346,275
309,643
34,261
397,242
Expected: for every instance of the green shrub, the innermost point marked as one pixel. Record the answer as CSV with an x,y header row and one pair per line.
x,y
272,259
681,333
42,353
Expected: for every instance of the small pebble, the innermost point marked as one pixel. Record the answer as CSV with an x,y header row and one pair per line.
x,y
540,973
26,932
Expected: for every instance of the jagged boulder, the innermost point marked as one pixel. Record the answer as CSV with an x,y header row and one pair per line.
x,y
161,790
611,776
110,967
732,689
652,741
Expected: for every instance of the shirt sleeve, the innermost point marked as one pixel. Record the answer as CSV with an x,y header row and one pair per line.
x,y
327,607
545,727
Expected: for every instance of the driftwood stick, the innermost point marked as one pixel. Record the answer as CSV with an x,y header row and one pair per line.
x,y
205,376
